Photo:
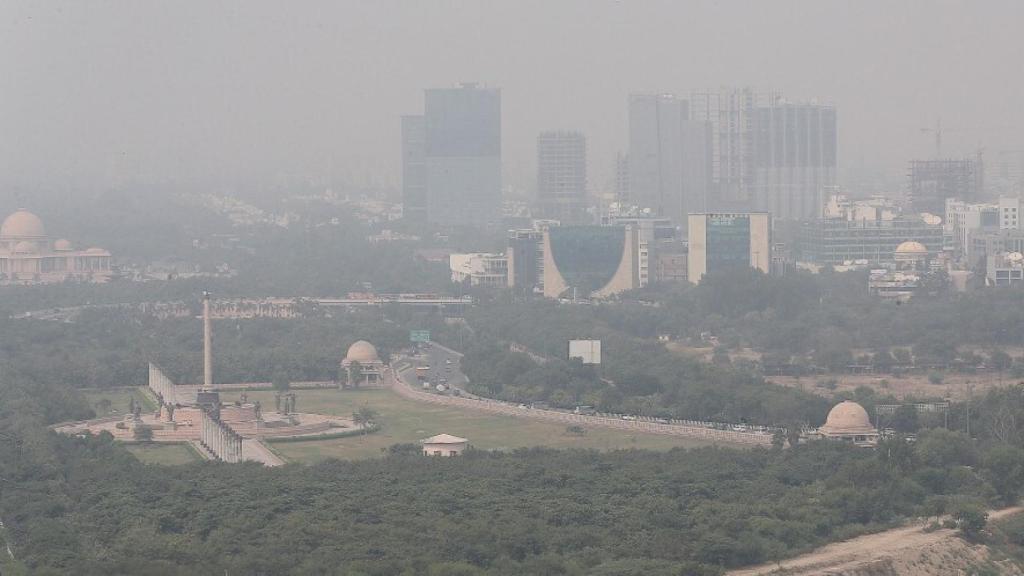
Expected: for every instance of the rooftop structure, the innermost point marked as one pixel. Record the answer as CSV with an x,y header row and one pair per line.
x,y
370,366
28,257
1004,269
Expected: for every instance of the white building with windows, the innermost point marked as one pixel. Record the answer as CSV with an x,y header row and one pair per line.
x,y
479,269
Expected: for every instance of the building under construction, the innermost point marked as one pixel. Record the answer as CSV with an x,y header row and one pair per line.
x,y
931,182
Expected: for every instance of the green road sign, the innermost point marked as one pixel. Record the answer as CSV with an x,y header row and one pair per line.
x,y
419,336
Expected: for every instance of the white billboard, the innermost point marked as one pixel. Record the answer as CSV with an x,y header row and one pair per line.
x,y
589,351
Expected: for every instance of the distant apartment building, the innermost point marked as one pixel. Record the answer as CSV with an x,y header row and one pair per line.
x,y
767,154
452,157
562,177
728,240
621,186
931,182
479,269
963,220
993,243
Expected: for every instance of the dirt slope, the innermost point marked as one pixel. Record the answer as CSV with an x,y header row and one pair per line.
x,y
906,551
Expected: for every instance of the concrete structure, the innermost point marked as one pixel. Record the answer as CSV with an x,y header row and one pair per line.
x,y
722,241
1010,217
220,439
848,421
479,269
414,168
985,244
656,235
370,365
462,155
27,256
621,187
931,182
911,255
444,445
590,261
896,286
562,177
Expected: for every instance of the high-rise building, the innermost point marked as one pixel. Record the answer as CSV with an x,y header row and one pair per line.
x,y
668,156
414,169
622,178
562,176
724,241
462,155
931,182
766,153
525,253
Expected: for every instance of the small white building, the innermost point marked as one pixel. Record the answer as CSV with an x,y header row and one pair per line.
x,y
444,445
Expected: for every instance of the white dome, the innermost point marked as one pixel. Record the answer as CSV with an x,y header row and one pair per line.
x,y
63,245
362,352
848,417
22,225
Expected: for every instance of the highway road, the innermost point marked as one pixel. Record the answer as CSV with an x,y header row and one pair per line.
x,y
444,366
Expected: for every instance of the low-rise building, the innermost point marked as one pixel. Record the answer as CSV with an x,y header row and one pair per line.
x,y
1004,269
27,256
479,269
444,445
848,421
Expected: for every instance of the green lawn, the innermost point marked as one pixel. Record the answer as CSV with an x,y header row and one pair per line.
x,y
118,398
406,421
163,453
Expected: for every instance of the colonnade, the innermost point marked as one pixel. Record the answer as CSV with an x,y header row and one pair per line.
x,y
220,439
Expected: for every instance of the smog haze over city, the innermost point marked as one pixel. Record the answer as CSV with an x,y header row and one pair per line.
x,y
518,287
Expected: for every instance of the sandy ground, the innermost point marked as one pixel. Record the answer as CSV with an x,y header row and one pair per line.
x,y
895,551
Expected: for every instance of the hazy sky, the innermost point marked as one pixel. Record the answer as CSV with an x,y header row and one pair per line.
x,y
96,94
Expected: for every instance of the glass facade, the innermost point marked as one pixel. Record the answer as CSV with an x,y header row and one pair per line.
x,y
728,242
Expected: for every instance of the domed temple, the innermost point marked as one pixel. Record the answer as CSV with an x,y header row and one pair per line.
x,y
27,256
363,355
848,421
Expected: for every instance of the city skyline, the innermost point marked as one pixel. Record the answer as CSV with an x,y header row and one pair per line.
x,y
301,101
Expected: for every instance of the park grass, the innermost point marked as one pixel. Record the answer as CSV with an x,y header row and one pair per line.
x,y
119,400
404,421
165,453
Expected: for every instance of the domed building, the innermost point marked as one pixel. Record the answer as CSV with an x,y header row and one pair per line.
x,y
28,257
363,355
911,255
848,421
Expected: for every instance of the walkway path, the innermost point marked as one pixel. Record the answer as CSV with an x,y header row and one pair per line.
x,y
834,558
257,451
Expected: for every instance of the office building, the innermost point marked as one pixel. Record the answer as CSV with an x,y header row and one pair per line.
x,y
590,261
667,157
462,155
728,240
931,182
562,177
1004,269
836,241
525,252
964,220
414,169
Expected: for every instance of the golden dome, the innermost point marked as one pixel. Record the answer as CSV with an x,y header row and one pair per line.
x,y
362,352
911,247
847,417
22,225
